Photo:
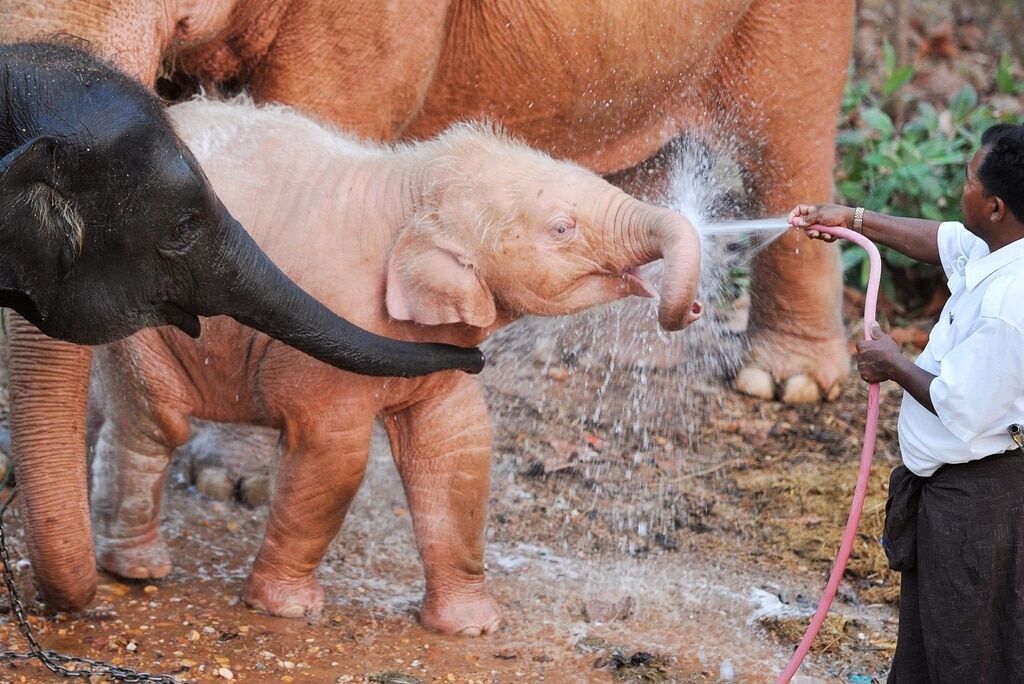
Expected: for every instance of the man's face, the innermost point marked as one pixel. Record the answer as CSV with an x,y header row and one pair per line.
x,y
974,206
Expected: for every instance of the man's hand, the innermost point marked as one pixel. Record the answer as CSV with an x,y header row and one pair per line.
x,y
878,359
805,215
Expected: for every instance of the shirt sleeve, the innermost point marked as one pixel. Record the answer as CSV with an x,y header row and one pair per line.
x,y
979,379
957,246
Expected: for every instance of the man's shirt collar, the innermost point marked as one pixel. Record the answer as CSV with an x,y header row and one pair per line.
x,y
979,269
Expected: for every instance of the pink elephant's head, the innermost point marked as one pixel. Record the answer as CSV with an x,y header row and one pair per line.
x,y
502,228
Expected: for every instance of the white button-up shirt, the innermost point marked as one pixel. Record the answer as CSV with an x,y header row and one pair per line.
x,y
976,350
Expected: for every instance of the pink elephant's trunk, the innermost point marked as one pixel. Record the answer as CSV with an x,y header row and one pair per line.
x,y
680,248
653,233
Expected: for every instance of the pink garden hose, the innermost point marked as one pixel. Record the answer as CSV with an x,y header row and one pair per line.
x,y
866,454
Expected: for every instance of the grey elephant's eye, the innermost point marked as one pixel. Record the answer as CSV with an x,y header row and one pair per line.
x,y
182,235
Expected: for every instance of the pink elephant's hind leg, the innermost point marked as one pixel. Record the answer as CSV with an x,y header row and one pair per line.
x,y
142,419
128,472
126,497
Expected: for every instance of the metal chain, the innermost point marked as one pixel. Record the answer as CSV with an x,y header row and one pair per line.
x,y
51,659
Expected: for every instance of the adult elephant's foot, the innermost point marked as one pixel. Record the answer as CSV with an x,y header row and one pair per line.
x,y
134,558
290,598
465,614
793,369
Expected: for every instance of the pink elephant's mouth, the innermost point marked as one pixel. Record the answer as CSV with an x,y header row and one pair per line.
x,y
637,284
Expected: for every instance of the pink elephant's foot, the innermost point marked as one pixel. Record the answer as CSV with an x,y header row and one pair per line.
x,y
795,370
465,614
132,559
292,598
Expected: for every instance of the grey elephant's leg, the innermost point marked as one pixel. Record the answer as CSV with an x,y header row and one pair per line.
x,y
442,447
319,474
128,472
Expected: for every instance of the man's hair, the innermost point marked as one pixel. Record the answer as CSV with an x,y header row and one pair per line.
x,y
1002,167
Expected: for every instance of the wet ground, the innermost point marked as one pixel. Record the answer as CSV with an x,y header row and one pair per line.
x,y
685,548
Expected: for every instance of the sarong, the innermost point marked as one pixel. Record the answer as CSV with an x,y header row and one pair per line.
x,y
957,539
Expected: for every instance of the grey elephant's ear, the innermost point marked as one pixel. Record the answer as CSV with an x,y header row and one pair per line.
x,y
27,165
26,180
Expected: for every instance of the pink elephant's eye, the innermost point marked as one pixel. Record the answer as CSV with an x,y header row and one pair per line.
x,y
562,227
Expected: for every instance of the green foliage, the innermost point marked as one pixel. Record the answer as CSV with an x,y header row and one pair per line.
x,y
1005,79
908,158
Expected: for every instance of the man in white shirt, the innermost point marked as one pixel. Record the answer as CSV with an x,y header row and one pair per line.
x,y
955,515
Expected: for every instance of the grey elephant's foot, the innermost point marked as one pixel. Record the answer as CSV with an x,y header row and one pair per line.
x,y
795,370
465,615
132,559
284,598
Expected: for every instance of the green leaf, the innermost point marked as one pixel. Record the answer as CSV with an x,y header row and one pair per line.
x,y
930,186
887,286
852,191
879,197
965,100
1004,75
916,130
890,57
852,256
897,79
897,260
878,120
854,138
932,212
928,116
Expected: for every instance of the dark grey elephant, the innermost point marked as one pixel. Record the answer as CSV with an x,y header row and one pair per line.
x,y
107,226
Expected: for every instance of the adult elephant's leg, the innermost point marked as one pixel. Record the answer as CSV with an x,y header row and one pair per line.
x,y
48,387
442,447
799,348
318,476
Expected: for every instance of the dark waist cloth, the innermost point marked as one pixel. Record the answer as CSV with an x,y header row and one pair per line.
x,y
957,538
962,484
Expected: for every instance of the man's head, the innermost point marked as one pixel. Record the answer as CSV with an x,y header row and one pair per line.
x,y
993,199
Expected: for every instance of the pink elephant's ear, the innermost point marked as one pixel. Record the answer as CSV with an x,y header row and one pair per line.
x,y
431,280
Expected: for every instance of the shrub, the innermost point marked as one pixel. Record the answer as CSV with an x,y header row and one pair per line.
x,y
907,158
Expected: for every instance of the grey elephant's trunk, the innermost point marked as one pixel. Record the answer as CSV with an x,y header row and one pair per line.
x,y
651,233
247,286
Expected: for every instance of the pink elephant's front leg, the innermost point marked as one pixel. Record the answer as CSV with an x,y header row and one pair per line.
x,y
442,447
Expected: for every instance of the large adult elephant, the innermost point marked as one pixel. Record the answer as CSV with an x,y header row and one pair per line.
x,y
606,83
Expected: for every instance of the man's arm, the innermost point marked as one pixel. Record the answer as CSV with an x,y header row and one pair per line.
x,y
915,380
879,359
916,238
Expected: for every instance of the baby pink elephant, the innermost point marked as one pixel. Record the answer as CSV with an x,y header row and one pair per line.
x,y
445,241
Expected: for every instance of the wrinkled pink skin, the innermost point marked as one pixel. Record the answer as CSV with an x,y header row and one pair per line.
x,y
445,241
604,83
